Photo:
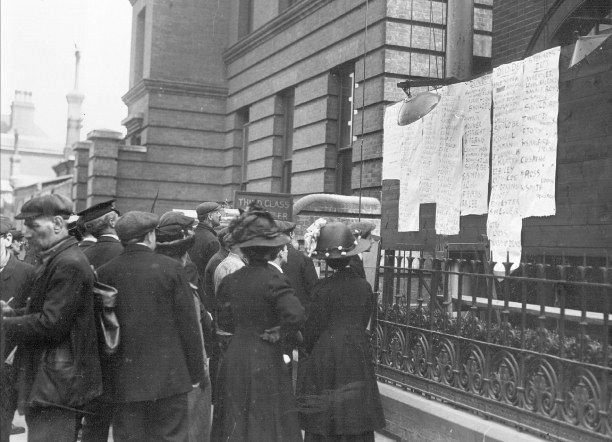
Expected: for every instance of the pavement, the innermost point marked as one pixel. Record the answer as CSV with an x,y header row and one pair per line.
x,y
20,421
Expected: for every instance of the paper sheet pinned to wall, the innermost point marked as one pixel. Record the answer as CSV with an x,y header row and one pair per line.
x,y
392,143
447,177
538,162
476,146
409,202
504,222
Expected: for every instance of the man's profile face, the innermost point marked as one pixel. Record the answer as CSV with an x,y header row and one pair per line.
x,y
42,232
215,218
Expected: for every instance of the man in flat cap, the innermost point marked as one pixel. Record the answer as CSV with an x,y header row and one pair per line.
x,y
361,230
15,278
99,220
206,242
57,346
160,357
298,268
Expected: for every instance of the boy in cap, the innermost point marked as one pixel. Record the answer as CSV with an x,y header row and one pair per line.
x,y
206,242
99,220
298,268
57,329
15,277
160,356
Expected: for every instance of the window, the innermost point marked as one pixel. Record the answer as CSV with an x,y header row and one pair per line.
x,y
344,157
243,123
139,43
245,17
288,99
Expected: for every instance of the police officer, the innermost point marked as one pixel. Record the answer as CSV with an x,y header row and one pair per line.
x,y
99,220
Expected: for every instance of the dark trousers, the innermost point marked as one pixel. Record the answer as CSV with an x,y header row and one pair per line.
x,y
97,421
160,420
50,423
8,403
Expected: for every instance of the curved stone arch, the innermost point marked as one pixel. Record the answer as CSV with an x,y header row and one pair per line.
x,y
553,19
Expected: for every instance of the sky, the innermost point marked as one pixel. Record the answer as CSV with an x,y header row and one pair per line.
x,y
37,41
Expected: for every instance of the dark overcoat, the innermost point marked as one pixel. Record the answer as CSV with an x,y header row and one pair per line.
x,y
205,246
160,351
103,251
356,263
57,351
14,281
300,271
255,400
337,388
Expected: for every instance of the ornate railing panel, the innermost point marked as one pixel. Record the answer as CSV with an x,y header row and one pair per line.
x,y
529,347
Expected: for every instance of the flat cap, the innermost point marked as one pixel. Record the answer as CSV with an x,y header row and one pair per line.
x,y
98,210
46,205
285,226
6,226
172,225
207,207
133,225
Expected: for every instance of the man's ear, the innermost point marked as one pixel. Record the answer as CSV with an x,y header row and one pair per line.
x,y
59,223
111,219
9,238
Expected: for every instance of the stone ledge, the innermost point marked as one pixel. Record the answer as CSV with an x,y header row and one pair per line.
x,y
426,419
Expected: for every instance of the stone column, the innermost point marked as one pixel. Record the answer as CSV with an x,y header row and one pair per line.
x,y
79,180
102,170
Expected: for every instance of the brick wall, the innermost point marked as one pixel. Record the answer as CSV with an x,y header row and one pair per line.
x,y
514,22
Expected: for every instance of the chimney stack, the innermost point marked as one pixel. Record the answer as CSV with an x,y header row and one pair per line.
x,y
22,112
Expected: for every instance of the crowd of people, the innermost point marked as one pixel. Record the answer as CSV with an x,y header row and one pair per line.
x,y
224,333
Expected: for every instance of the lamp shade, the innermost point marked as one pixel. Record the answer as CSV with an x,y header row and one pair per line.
x,y
415,108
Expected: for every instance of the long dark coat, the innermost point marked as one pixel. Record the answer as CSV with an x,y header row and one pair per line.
x,y
337,390
205,246
300,271
57,351
160,351
14,281
103,251
255,400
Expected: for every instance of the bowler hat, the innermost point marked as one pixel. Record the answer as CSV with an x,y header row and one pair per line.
x,y
46,205
337,241
207,207
134,225
6,226
98,210
257,229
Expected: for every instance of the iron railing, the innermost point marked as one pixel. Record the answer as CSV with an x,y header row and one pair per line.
x,y
529,347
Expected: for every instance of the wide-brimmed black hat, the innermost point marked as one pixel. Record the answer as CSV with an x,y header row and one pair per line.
x,y
337,241
174,234
257,229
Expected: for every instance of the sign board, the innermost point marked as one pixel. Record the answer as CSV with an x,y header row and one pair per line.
x,y
280,205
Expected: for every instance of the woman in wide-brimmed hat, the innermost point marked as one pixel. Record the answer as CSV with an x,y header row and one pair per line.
x,y
337,392
255,400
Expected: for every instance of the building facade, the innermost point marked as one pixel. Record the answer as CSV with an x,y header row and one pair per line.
x,y
267,96
27,153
